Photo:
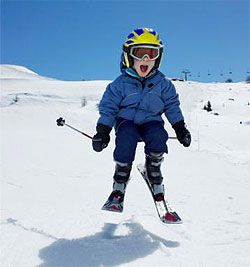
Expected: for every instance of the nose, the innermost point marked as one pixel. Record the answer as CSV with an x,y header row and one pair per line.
x,y
145,58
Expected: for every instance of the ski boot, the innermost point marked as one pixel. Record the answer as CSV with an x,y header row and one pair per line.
x,y
154,176
121,178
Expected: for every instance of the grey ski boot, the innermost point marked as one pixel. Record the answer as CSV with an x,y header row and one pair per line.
x,y
154,176
121,178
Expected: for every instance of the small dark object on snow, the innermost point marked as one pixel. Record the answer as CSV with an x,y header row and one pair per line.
x,y
208,107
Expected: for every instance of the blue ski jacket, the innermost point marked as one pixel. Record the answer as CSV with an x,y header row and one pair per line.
x,y
140,100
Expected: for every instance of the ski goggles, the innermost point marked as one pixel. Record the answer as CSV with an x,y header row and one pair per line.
x,y
139,52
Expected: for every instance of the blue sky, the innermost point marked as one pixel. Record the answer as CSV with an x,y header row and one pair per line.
x,y
74,40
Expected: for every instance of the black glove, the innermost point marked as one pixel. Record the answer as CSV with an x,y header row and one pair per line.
x,y
101,138
182,134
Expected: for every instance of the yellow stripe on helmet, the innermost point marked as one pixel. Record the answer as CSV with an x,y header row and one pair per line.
x,y
126,61
143,36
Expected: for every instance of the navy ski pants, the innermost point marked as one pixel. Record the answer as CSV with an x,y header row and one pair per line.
x,y
128,134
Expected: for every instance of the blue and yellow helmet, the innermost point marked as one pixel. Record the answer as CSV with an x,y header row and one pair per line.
x,y
141,36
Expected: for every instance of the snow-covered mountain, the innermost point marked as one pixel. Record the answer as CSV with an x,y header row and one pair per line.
x,y
19,72
53,184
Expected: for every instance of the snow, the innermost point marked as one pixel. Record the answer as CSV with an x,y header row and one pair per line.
x,y
19,73
53,184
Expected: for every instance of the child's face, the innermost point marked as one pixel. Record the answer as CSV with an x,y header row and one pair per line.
x,y
144,66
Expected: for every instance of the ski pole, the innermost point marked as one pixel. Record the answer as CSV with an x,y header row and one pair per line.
x,y
61,122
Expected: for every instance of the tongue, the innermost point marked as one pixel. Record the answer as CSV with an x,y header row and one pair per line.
x,y
143,68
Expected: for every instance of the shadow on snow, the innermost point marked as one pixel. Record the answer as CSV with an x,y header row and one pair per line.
x,y
105,248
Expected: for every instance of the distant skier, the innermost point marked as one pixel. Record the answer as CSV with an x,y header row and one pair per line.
x,y
133,104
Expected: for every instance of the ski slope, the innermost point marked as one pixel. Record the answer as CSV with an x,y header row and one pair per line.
x,y
53,184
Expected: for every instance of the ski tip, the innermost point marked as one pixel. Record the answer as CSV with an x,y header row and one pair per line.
x,y
112,208
170,222
171,218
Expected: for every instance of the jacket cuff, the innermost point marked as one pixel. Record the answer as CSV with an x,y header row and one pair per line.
x,y
178,125
101,128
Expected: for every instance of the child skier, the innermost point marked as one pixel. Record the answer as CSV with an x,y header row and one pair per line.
x,y
133,104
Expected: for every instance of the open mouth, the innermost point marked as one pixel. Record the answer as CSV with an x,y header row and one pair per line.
x,y
144,68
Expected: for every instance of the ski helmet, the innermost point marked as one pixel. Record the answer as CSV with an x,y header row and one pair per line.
x,y
141,36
